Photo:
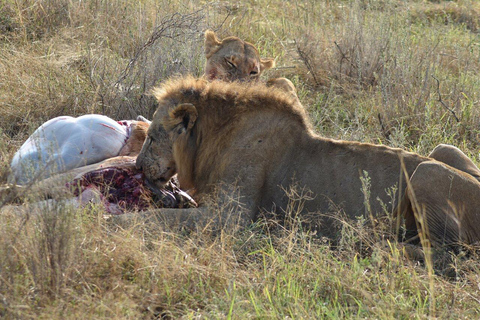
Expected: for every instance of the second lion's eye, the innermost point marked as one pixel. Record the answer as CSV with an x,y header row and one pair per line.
x,y
230,64
252,73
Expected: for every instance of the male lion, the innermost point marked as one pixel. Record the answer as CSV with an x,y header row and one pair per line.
x,y
251,143
233,59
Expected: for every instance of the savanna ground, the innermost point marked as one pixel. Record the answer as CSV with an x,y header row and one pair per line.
x,y
404,73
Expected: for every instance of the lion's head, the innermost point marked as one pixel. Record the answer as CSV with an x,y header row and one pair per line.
x,y
233,59
157,156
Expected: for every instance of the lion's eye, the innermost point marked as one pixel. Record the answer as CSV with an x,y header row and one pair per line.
x,y
231,65
253,73
149,140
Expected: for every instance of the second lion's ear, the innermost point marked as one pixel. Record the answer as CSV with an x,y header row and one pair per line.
x,y
266,64
184,115
211,43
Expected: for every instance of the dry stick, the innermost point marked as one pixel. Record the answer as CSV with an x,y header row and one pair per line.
x,y
304,57
443,103
386,133
344,56
230,26
175,21
284,68
223,22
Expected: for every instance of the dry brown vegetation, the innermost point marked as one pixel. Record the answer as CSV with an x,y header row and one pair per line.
x,y
401,73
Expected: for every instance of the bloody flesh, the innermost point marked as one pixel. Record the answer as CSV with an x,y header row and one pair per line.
x,y
126,190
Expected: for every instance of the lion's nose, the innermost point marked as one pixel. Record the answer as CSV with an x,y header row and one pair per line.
x,y
253,71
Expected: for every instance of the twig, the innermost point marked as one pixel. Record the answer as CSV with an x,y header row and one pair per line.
x,y
386,133
285,67
344,57
443,103
223,22
306,60
230,25
170,27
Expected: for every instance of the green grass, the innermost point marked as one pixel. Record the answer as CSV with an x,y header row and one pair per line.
x,y
366,70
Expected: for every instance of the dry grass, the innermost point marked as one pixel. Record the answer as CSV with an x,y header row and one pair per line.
x,y
402,73
75,264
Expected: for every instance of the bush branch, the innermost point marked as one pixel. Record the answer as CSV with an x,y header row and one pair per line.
x,y
443,103
171,26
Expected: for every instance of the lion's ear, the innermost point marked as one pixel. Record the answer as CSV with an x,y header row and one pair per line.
x,y
185,115
211,43
266,64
